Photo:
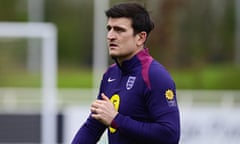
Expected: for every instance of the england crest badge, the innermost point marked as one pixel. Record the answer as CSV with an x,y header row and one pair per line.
x,y
130,82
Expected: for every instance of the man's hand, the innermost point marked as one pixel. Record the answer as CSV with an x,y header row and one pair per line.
x,y
103,110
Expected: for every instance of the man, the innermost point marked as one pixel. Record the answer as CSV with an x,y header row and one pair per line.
x,y
137,98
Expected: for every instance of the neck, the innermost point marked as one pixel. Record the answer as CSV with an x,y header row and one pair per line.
x,y
120,60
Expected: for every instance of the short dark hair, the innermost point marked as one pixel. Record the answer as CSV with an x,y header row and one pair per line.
x,y
137,13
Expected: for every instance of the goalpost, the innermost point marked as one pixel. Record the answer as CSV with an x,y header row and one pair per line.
x,y
47,32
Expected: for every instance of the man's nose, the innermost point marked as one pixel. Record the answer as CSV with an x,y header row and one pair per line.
x,y
110,35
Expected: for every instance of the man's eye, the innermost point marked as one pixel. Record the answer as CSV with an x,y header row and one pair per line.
x,y
119,29
109,28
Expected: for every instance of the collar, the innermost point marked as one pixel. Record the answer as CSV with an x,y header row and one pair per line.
x,y
129,65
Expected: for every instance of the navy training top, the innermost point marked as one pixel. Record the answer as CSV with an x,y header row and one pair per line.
x,y
144,94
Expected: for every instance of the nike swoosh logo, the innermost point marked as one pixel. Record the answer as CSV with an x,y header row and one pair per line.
x,y
111,80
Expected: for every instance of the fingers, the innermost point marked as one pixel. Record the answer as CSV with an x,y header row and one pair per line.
x,y
98,105
96,113
93,110
103,110
104,97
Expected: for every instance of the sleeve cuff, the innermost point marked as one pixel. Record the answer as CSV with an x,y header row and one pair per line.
x,y
114,123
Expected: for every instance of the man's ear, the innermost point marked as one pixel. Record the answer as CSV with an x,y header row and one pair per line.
x,y
141,38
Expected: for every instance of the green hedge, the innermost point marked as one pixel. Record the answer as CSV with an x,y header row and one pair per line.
x,y
210,77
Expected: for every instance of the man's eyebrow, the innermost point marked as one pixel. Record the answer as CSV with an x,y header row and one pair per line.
x,y
115,27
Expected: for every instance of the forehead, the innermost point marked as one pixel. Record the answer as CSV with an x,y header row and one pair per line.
x,y
120,22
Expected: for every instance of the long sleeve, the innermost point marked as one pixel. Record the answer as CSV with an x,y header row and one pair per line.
x,y
91,131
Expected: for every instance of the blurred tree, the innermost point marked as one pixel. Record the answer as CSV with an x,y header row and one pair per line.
x,y
74,21
163,41
187,32
207,32
191,32
13,10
